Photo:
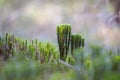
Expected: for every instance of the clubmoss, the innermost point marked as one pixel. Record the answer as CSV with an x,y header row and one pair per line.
x,y
64,36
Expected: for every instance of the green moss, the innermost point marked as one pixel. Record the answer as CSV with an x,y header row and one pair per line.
x,y
64,35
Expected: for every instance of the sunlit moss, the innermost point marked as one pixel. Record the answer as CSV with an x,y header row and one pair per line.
x,y
64,35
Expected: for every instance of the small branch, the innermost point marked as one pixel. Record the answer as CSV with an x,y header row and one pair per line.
x,y
68,65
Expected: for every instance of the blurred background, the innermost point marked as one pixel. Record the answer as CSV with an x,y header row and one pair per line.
x,y
31,19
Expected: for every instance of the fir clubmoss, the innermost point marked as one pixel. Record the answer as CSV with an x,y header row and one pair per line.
x,y
64,35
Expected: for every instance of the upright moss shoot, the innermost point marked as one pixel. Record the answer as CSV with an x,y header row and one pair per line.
x,y
64,35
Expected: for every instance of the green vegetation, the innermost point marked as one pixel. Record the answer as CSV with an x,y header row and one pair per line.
x,y
76,42
64,36
11,46
33,60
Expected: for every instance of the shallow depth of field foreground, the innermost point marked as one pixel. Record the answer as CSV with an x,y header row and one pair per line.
x,y
59,40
